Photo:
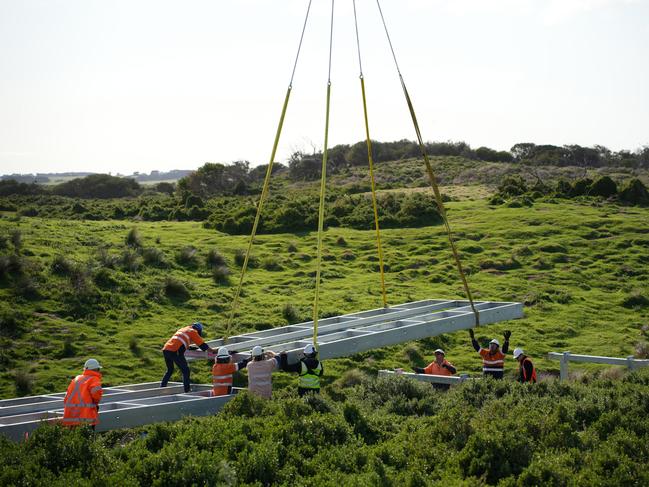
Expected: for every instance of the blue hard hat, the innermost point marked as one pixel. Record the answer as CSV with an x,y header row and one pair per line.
x,y
198,326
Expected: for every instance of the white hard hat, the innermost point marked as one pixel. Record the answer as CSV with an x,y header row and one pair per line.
x,y
309,349
518,352
494,341
91,364
223,352
257,351
439,350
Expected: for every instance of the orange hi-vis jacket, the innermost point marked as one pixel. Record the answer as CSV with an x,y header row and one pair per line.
x,y
183,337
524,371
222,378
492,362
81,401
434,369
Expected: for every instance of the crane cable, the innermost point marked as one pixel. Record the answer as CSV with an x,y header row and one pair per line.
x,y
432,178
371,164
264,192
323,180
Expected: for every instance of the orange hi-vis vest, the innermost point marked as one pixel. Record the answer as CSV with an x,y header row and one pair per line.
x,y
185,336
222,378
492,362
435,369
82,399
532,378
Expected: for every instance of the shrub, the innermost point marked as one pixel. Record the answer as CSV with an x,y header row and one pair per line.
x,y
106,259
62,266
16,238
23,382
240,256
27,288
3,241
68,349
130,260
635,193
175,289
290,314
187,257
221,275
104,278
340,241
134,346
214,258
271,264
292,247
635,300
604,187
154,257
11,323
133,238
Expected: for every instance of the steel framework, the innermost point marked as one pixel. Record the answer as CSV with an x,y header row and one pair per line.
x,y
340,336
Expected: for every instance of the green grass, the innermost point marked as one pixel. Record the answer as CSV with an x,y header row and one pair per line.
x,y
581,268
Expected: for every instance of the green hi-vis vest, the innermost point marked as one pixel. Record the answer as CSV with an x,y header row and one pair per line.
x,y
310,379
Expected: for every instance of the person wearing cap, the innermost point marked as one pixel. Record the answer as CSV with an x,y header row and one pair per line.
x,y
81,402
309,368
526,369
260,372
175,348
493,359
222,372
439,366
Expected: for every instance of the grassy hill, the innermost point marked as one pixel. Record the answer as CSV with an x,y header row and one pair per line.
x,y
76,288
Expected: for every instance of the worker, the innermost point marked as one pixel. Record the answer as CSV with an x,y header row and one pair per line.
x,y
493,359
81,402
526,370
439,366
260,372
309,368
174,351
222,372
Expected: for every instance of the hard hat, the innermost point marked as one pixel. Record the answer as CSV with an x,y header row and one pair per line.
x,y
309,349
518,352
92,364
223,352
257,351
198,326
494,341
439,350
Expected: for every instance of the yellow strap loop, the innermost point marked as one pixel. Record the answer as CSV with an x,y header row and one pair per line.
x,y
260,206
440,203
374,204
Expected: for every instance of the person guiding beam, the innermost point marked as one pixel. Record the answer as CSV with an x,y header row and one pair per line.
x,y
493,359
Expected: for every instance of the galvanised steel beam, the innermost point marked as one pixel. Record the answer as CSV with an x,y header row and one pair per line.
x,y
125,407
346,335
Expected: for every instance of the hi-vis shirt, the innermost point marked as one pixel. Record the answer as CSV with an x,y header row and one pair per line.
x,y
183,338
493,364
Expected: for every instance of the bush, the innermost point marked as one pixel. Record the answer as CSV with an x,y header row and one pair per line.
x,y
175,289
240,256
133,238
134,346
62,266
290,314
153,256
68,350
187,257
130,260
221,275
16,238
12,323
24,383
214,258
635,193
271,264
27,287
604,187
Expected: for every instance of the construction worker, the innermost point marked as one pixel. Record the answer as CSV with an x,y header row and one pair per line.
x,y
439,366
174,351
81,402
309,368
260,372
526,370
222,372
493,359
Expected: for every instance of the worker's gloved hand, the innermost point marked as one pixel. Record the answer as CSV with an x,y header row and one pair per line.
x,y
507,334
192,347
471,334
445,366
418,370
233,352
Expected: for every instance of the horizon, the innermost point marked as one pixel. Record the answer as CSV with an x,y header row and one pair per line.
x,y
89,87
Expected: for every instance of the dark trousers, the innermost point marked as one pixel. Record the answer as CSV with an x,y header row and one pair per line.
x,y
179,359
303,391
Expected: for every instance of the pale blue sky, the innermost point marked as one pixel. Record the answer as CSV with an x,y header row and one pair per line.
x,y
123,86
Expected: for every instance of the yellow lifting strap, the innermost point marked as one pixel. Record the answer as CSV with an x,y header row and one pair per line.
x,y
323,181
264,191
432,179
370,161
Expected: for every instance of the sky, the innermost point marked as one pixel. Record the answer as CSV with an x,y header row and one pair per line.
x,y
141,85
